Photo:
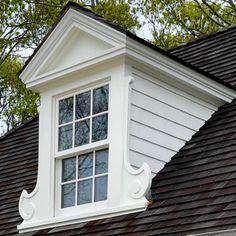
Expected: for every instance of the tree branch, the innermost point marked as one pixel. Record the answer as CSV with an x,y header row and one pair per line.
x,y
216,22
215,13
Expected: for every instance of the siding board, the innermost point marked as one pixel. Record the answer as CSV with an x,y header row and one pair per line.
x,y
162,119
164,110
163,124
172,99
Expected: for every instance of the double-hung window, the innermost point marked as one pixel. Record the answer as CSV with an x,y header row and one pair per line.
x,y
82,122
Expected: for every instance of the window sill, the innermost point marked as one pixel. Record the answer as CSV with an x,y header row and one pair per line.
x,y
85,217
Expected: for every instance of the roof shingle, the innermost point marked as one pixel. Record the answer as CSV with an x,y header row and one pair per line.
x,y
214,54
193,193
18,171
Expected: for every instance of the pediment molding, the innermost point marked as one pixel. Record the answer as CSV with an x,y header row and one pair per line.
x,y
75,32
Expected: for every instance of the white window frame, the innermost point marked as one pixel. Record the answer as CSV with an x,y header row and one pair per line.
x,y
79,150
85,146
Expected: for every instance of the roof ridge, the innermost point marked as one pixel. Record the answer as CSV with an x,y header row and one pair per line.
x,y
23,124
202,37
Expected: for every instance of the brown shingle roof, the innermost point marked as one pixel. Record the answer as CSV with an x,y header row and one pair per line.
x,y
214,54
18,171
195,192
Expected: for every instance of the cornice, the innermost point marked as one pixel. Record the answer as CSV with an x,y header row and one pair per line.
x,y
178,71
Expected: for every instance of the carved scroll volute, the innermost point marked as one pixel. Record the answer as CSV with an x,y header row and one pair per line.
x,y
27,205
139,179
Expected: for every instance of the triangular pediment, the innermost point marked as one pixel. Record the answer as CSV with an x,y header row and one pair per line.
x,y
77,41
76,47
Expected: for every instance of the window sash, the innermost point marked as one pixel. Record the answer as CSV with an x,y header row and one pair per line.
x,y
77,179
91,143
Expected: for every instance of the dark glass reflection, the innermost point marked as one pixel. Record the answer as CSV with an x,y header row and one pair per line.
x,y
100,99
82,108
65,137
99,128
66,110
68,169
101,161
82,132
85,191
68,195
100,188
85,165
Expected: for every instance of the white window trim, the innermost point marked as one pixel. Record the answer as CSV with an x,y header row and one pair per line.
x,y
75,151
59,211
91,145
124,197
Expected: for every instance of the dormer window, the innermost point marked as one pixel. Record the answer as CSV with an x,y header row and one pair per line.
x,y
83,118
84,173
82,132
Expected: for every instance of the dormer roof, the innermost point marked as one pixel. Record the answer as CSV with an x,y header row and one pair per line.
x,y
121,31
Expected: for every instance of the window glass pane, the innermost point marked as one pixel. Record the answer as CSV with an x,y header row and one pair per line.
x,y
68,169
82,132
68,195
85,165
66,110
101,162
99,131
100,99
65,137
85,191
100,188
82,108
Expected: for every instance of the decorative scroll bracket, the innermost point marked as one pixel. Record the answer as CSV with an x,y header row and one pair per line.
x,y
27,204
138,180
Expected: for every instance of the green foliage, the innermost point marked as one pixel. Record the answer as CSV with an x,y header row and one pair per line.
x,y
118,12
177,21
16,102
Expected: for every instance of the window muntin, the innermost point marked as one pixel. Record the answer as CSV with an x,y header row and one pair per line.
x,y
83,118
84,178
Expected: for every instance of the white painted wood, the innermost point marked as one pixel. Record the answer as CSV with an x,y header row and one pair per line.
x,y
162,124
152,135
70,21
164,110
163,118
78,47
176,100
153,150
138,158
175,87
124,197
159,62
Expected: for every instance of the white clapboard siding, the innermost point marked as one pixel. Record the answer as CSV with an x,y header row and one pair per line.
x,y
162,119
160,123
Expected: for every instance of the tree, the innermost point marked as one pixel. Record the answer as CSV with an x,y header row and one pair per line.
x,y
16,102
177,21
23,25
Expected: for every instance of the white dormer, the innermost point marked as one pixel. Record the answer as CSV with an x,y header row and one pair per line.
x,y
109,105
